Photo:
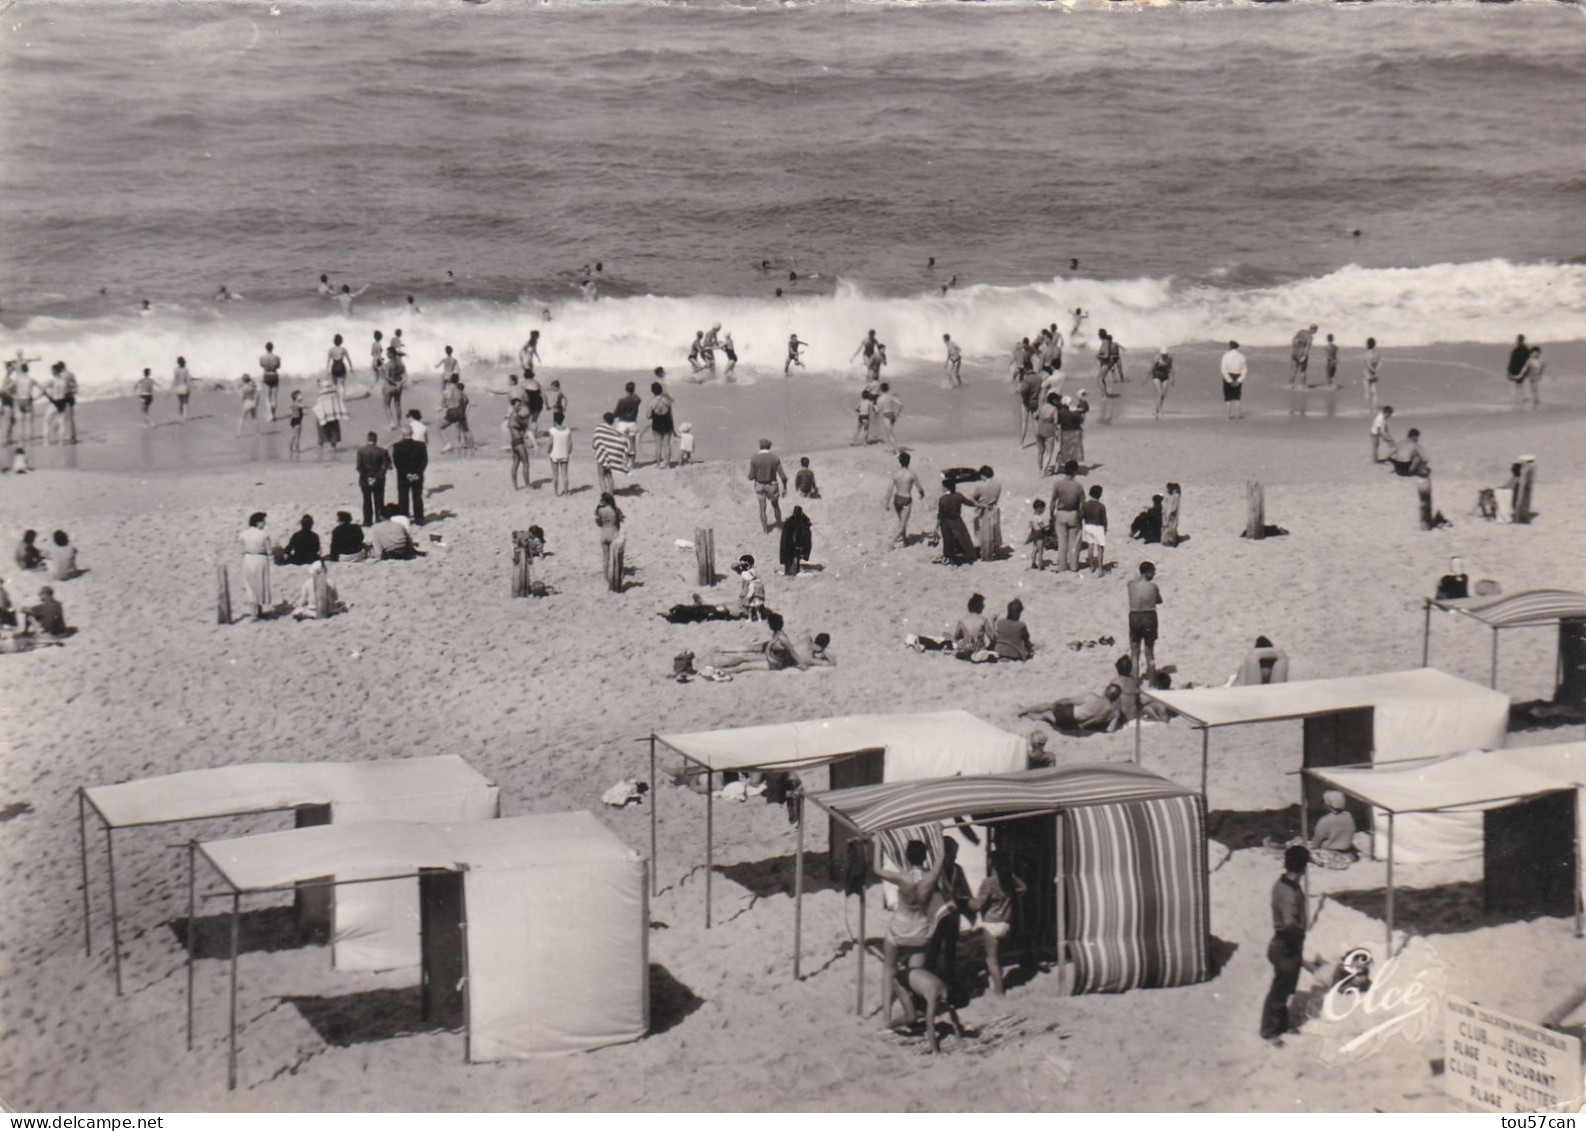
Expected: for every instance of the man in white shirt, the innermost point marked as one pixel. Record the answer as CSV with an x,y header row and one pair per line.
x,y
1234,369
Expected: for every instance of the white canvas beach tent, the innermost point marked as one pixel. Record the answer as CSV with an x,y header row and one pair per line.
x,y
499,898
373,927
859,749
1352,720
1524,811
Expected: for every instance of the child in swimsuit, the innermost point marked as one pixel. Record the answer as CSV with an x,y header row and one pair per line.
x,y
296,422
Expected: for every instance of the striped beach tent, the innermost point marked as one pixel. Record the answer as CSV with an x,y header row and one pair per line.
x,y
611,449
1130,857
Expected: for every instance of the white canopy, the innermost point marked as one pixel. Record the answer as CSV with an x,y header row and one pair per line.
x,y
931,745
376,925
1417,691
1472,781
557,916
351,789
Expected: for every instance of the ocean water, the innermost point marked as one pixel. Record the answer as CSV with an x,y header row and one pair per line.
x,y
1205,163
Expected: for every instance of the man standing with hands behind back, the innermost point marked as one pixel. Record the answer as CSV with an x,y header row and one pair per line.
x,y
374,464
410,457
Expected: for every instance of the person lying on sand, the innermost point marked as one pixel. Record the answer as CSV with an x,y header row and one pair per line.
x,y
1080,713
697,612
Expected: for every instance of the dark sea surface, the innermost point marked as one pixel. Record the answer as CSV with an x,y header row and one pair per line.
x,y
1206,164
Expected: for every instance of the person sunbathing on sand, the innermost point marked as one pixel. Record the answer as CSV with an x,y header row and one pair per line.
x,y
772,656
1080,712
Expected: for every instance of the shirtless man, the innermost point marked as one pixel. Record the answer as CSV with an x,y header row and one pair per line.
x,y
1300,355
900,497
377,357
393,377
345,296
1144,597
270,376
530,353
955,359
324,289
867,346
888,408
794,349
1089,711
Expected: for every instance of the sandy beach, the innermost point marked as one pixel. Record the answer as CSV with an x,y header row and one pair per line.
x,y
551,699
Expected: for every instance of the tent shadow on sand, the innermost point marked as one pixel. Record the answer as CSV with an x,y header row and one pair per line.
x,y
1250,828
766,878
1443,909
262,930
359,1018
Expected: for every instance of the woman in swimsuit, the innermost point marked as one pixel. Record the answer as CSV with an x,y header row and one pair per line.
x,y
661,424
608,517
910,927
250,404
338,363
182,386
1162,374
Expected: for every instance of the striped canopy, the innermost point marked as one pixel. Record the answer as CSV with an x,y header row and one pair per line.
x,y
1533,607
611,449
892,805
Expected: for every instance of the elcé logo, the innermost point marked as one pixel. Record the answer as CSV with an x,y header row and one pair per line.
x,y
1401,998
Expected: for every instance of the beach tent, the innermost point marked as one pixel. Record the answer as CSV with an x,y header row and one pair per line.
x,y
1528,805
1535,608
373,927
536,928
1129,881
1353,719
860,749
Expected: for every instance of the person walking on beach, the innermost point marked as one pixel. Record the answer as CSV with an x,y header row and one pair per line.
x,y
869,347
1234,369
182,386
410,458
145,391
392,379
627,417
1286,951
794,351
955,360
338,365
1518,356
374,464
611,452
1332,362
270,377
1300,355
1093,530
1531,379
1067,498
250,404
1373,365
1144,597
608,519
1162,376
900,497
561,453
770,482
887,410
661,424
529,355
377,356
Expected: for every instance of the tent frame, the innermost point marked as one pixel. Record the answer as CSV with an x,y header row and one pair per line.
x,y
1055,812
1496,802
84,803
657,740
1430,603
235,894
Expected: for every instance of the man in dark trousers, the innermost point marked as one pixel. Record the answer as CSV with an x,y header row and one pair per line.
x,y
410,458
374,464
1286,951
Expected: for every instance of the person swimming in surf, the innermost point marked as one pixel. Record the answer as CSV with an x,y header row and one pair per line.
x,y
794,348
346,295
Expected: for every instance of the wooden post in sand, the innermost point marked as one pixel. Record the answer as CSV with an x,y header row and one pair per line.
x,y
224,607
520,565
1256,510
705,552
615,567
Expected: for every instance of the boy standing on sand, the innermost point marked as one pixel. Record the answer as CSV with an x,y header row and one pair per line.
x,y
900,497
1144,597
145,390
1380,434
1234,368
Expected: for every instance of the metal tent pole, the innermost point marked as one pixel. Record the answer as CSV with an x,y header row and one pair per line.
x,y
1139,715
1390,886
710,837
115,918
231,1037
655,799
82,837
192,933
468,983
1426,633
798,895
1492,680
1580,885
859,1002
